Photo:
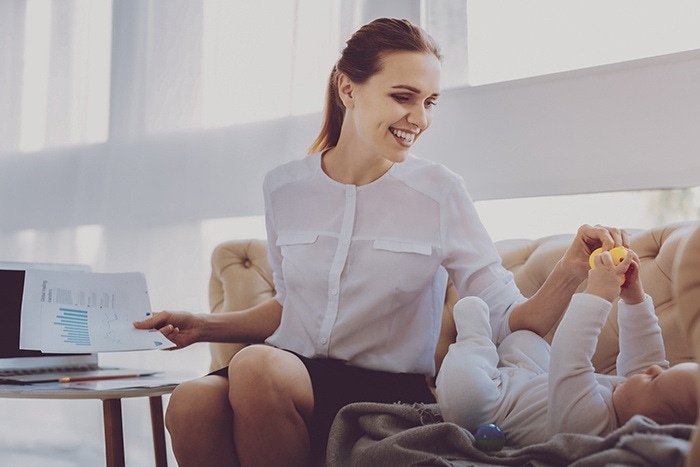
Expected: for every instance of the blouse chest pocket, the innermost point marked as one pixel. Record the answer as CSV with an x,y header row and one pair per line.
x,y
296,238
408,266
296,248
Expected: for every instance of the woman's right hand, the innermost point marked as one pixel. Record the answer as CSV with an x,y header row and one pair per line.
x,y
588,238
179,327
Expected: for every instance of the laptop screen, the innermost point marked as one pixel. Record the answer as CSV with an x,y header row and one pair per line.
x,y
11,356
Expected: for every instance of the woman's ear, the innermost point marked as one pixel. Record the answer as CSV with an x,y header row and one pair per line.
x,y
346,90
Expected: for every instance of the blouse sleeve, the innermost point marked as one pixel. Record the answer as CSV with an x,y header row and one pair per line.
x,y
472,259
274,254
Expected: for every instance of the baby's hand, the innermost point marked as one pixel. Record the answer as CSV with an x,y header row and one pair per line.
x,y
632,291
605,277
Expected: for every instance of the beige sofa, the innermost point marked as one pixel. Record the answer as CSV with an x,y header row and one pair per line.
x,y
686,283
241,277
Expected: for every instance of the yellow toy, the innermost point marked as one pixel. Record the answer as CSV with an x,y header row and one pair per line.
x,y
618,254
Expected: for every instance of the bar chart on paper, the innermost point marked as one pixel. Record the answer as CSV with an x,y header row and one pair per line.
x,y
100,329
75,326
65,312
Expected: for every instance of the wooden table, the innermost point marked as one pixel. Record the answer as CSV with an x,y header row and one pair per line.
x,y
112,411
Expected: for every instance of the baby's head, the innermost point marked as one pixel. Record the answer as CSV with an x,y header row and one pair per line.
x,y
664,395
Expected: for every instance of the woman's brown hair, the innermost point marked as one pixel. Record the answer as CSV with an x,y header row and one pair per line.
x,y
361,59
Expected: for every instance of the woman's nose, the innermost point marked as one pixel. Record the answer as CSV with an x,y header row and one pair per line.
x,y
419,117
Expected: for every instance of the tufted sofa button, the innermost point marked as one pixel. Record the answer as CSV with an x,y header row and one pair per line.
x,y
247,263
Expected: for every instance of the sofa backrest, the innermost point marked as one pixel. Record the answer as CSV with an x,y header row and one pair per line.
x,y
241,277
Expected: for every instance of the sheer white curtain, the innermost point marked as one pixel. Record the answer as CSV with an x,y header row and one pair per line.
x,y
134,136
130,127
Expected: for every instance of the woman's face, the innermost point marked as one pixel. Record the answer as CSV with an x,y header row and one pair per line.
x,y
388,112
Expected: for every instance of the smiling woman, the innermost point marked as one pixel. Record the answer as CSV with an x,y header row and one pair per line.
x,y
382,115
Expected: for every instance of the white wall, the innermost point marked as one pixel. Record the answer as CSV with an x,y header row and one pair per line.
x,y
617,127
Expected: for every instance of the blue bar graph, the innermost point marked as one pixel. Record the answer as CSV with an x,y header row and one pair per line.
x,y
75,326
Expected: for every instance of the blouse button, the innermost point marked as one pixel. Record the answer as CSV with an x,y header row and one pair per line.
x,y
334,291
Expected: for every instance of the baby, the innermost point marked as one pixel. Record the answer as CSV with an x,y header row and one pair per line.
x,y
534,391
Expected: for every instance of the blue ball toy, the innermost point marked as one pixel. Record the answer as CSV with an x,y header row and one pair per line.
x,y
490,437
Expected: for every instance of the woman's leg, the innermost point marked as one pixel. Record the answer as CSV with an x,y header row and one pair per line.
x,y
200,422
271,395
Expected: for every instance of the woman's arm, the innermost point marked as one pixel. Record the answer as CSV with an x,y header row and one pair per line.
x,y
248,326
542,311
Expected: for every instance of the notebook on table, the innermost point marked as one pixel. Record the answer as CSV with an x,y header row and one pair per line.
x,y
19,366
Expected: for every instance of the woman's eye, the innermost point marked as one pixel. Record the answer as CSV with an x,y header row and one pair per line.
x,y
431,103
400,98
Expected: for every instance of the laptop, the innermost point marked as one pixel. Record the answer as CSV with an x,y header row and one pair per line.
x,y
18,366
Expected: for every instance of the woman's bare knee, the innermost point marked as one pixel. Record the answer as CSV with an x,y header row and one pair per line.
x,y
197,399
265,374
272,399
200,422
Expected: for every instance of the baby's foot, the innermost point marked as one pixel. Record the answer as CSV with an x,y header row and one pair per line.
x,y
471,316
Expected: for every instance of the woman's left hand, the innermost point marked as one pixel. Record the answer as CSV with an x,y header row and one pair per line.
x,y
588,238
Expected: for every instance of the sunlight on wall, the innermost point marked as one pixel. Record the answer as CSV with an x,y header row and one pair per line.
x,y
548,215
66,74
88,244
513,39
258,65
35,75
215,231
92,40
238,73
25,244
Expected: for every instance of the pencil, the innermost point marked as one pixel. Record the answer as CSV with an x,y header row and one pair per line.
x,y
75,379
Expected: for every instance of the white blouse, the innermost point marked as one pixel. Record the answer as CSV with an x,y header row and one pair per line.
x,y
360,270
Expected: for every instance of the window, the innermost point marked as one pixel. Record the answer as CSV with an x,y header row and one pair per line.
x,y
510,39
548,215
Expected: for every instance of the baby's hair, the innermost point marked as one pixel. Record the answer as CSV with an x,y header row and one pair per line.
x,y
683,407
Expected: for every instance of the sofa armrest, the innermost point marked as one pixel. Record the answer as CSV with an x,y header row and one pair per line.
x,y
240,278
686,275
686,278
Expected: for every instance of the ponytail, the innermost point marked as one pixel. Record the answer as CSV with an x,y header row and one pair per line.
x,y
333,115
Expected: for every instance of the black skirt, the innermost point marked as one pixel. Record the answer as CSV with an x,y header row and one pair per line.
x,y
336,384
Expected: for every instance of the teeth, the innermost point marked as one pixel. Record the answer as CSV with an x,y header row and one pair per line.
x,y
408,137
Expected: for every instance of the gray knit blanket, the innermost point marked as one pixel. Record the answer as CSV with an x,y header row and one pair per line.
x,y
402,435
